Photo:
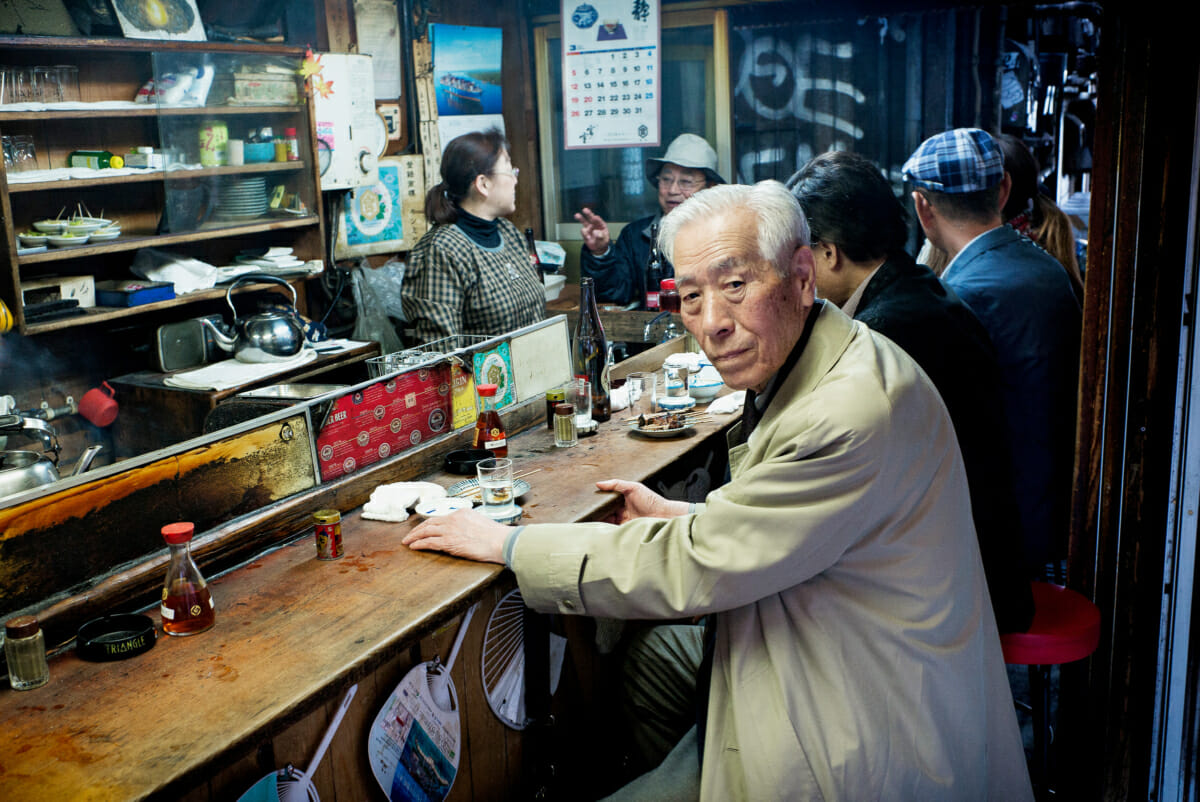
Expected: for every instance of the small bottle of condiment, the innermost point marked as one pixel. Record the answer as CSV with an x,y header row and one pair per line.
x,y
25,651
187,606
292,144
327,526
281,149
96,159
554,397
489,431
654,271
565,433
668,296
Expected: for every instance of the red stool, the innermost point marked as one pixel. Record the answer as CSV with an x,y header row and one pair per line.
x,y
1066,628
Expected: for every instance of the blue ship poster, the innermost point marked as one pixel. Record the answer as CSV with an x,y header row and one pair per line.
x,y
466,69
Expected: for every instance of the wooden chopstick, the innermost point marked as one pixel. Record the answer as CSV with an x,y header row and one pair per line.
x,y
475,491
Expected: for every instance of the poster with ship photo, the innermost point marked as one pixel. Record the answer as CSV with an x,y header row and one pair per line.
x,y
466,79
174,20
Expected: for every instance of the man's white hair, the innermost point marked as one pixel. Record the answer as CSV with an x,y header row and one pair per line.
x,y
781,223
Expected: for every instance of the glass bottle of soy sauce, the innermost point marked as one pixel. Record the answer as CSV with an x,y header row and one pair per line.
x,y
187,606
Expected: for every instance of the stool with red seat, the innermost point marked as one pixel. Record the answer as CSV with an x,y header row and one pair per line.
x,y
1065,628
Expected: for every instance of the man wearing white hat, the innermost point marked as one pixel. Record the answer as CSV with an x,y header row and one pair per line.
x,y
619,270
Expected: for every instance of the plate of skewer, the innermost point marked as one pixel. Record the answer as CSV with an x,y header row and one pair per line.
x,y
665,424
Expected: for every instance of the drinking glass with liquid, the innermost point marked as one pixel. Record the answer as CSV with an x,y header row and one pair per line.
x,y
496,486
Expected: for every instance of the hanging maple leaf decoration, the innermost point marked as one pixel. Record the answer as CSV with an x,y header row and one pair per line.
x,y
311,69
322,87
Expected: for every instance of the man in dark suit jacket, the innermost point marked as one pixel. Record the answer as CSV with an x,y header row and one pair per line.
x,y
858,236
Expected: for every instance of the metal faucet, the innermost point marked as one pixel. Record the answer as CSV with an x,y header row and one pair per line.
x,y
651,323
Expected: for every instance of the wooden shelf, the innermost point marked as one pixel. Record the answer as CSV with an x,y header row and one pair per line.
x,y
135,241
149,110
113,70
157,175
98,314
145,45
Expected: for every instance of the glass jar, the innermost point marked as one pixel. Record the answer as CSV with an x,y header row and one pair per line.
x,y
554,397
25,651
565,433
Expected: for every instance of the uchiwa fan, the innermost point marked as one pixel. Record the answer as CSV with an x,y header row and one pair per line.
x,y
502,660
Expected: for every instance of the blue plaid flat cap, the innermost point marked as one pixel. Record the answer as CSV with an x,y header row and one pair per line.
x,y
961,160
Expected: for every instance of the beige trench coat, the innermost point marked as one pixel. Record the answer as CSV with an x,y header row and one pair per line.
x,y
857,656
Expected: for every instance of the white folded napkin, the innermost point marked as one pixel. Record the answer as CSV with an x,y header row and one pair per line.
x,y
391,502
230,373
618,398
728,404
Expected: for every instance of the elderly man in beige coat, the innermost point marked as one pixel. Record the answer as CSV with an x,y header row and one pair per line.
x,y
855,653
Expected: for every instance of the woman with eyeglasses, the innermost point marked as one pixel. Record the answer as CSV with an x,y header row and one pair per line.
x,y
470,273
688,166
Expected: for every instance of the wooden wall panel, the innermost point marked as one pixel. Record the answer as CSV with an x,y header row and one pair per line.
x,y
1132,313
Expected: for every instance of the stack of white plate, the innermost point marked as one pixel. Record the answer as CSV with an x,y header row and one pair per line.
x,y
242,198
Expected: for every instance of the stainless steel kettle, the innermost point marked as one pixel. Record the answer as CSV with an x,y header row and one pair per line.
x,y
265,337
25,470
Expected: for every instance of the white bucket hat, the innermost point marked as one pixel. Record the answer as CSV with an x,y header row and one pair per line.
x,y
687,150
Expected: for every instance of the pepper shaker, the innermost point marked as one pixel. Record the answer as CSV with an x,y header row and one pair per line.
x,y
25,650
565,434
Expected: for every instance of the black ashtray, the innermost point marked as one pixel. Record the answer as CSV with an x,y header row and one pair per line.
x,y
115,637
463,462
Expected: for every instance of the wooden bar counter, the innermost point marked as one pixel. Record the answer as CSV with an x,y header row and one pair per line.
x,y
204,717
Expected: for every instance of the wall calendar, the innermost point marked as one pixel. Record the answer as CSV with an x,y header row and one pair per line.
x,y
610,73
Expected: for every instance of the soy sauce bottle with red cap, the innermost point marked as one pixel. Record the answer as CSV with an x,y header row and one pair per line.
x,y
489,430
187,606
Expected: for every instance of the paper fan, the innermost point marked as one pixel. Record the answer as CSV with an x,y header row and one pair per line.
x,y
503,660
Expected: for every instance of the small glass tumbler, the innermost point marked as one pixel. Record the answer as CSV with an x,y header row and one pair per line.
x,y
565,434
496,486
579,395
642,389
68,82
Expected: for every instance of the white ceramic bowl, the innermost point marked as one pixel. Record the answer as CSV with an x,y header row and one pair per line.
x,y
104,234
86,225
50,226
554,285
33,240
62,241
704,391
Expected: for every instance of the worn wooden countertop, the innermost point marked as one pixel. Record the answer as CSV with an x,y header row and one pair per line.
x,y
290,630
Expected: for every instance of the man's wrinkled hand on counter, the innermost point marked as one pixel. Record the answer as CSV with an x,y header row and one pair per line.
x,y
641,501
466,533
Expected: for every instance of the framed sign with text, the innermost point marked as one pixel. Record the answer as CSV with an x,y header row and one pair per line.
x,y
610,73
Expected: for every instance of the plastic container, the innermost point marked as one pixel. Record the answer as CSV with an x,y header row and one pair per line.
x,y
258,152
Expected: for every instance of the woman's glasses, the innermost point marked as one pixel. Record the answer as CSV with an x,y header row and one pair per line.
x,y
514,172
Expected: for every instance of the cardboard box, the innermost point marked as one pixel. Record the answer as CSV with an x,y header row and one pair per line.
x,y
384,419
133,292
56,288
